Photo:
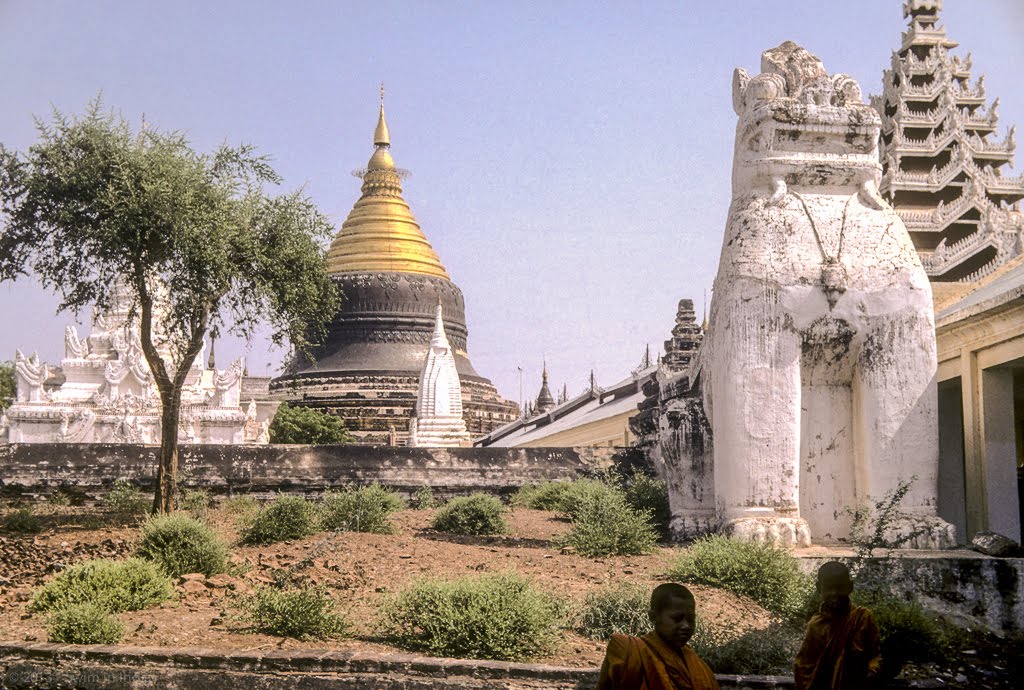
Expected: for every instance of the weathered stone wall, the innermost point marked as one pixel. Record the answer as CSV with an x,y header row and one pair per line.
x,y
40,666
88,470
966,586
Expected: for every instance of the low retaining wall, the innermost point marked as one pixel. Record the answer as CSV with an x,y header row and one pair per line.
x,y
87,470
43,666
965,585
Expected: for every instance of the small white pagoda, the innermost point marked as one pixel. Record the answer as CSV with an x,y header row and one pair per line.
x,y
109,395
437,420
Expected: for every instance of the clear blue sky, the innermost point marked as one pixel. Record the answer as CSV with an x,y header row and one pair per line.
x,y
571,160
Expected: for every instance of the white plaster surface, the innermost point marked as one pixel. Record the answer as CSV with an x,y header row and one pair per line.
x,y
438,420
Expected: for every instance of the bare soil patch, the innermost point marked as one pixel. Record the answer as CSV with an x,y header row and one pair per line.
x,y
358,569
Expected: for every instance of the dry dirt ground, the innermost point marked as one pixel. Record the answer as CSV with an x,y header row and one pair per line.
x,y
359,569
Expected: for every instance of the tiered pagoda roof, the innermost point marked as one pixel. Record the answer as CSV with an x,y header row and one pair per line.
x,y
942,162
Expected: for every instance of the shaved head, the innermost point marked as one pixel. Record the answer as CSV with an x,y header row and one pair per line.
x,y
834,571
665,593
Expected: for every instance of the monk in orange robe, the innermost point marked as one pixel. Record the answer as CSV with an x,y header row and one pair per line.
x,y
841,648
660,660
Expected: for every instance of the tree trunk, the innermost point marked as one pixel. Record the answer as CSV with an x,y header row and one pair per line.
x,y
165,496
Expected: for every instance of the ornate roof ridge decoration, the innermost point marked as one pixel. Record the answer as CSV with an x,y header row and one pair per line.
x,y
381,234
941,155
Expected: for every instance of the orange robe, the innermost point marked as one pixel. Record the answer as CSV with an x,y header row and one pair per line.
x,y
839,652
647,663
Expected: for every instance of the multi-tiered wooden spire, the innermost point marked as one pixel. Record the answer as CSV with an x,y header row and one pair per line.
x,y
942,164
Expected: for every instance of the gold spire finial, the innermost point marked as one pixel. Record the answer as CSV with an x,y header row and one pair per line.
x,y
380,233
381,137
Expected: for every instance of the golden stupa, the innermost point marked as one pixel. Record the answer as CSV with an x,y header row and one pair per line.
x,y
380,233
367,371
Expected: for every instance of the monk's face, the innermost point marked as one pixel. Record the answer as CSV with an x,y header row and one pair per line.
x,y
835,593
675,622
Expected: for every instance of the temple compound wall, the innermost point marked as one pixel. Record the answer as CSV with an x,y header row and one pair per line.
x,y
87,471
817,372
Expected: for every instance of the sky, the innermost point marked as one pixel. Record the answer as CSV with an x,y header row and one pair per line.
x,y
570,160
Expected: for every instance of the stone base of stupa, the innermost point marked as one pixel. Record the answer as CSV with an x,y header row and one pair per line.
x,y
438,432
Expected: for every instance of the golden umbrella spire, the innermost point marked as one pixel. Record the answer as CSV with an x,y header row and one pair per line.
x,y
380,233
381,136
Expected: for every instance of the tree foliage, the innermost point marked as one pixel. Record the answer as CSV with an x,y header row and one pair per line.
x,y
8,385
95,207
307,425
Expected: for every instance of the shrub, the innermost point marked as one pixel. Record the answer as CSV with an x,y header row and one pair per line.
x,y
768,575
363,509
84,623
763,652
873,525
644,493
23,520
181,544
114,586
59,498
477,514
603,524
307,425
548,495
125,499
622,608
501,617
424,499
908,632
196,500
241,505
306,613
583,493
288,517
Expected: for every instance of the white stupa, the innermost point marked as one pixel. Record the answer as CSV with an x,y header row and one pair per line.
x,y
437,419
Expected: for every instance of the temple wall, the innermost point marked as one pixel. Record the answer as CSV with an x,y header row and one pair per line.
x,y
88,470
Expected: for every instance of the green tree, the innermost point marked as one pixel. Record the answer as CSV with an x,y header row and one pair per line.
x,y
93,207
8,385
306,425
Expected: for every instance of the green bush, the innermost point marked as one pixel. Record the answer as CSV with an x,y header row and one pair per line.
x,y
195,500
84,623
644,493
288,517
125,499
548,495
424,499
181,544
307,425
59,498
768,575
761,652
907,631
114,586
603,524
477,514
23,520
244,506
501,617
300,613
621,608
363,509
581,494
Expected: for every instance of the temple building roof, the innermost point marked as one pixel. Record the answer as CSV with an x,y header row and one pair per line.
x,y
381,233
